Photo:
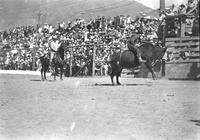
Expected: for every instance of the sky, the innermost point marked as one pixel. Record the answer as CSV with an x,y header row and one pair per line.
x,y
154,4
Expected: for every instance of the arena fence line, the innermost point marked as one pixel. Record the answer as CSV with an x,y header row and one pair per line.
x,y
93,48
183,58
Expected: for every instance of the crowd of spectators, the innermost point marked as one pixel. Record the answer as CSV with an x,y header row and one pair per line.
x,y
185,13
27,42
102,32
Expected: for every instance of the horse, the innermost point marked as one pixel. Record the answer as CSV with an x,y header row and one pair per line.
x,y
127,59
44,60
57,62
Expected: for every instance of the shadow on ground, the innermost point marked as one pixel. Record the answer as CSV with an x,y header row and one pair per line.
x,y
39,80
197,122
122,85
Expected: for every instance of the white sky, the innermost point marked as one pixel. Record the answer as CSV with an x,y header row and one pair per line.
x,y
155,3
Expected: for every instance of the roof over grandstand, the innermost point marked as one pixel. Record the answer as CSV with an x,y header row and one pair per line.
x,y
25,12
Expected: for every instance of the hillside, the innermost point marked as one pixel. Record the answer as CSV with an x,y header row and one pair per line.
x,y
24,12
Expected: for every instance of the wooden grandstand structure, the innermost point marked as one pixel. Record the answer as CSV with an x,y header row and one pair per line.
x,y
183,50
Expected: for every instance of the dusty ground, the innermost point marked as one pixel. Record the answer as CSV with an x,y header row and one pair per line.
x,y
92,109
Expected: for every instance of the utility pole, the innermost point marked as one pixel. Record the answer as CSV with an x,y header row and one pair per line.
x,y
45,17
44,2
162,6
39,18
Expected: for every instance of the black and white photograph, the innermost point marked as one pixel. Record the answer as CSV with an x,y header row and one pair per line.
x,y
99,70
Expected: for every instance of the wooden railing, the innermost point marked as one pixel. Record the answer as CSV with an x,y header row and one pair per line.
x,y
93,47
183,50
183,58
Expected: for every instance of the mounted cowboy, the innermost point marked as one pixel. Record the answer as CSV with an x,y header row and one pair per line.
x,y
133,43
56,59
54,46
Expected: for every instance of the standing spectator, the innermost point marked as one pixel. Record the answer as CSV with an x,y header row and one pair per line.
x,y
195,27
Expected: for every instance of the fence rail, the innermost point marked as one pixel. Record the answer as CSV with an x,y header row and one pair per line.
x,y
69,48
182,39
184,58
183,49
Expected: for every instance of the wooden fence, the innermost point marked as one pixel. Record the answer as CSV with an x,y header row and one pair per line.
x,y
92,60
183,56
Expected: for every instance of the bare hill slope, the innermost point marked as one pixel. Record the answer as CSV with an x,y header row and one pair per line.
x,y
23,12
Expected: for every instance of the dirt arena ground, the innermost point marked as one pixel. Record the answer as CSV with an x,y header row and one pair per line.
x,y
91,108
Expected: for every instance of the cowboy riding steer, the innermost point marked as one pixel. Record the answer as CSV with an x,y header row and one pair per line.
x,y
130,59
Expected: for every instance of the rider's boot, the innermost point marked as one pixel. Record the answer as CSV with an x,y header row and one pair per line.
x,y
51,68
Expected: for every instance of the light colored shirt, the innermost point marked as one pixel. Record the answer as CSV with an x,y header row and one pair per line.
x,y
55,45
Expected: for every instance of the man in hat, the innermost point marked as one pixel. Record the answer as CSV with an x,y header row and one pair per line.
x,y
54,45
168,12
115,53
117,48
133,44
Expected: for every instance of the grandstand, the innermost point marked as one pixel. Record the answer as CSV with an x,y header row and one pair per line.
x,y
21,46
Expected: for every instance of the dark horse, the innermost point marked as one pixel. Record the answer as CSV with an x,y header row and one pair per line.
x,y
127,59
57,62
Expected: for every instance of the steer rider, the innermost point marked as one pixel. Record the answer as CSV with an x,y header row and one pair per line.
x,y
133,44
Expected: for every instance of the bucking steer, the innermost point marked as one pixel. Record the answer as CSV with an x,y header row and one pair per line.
x,y
128,59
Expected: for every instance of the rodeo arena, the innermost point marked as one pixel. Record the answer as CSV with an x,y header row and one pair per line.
x,y
119,77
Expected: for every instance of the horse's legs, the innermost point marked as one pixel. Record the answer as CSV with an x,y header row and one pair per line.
x,y
55,73
117,79
150,67
61,73
111,77
42,74
45,71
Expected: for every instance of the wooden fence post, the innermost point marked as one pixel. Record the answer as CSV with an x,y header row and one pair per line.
x,y
19,55
4,59
164,35
71,61
93,60
33,58
163,68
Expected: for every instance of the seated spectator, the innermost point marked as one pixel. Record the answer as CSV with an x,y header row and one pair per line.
x,y
174,9
182,9
191,6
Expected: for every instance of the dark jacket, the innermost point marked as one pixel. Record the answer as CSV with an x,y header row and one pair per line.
x,y
131,44
115,64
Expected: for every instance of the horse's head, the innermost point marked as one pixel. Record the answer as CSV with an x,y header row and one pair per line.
x,y
134,39
155,52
